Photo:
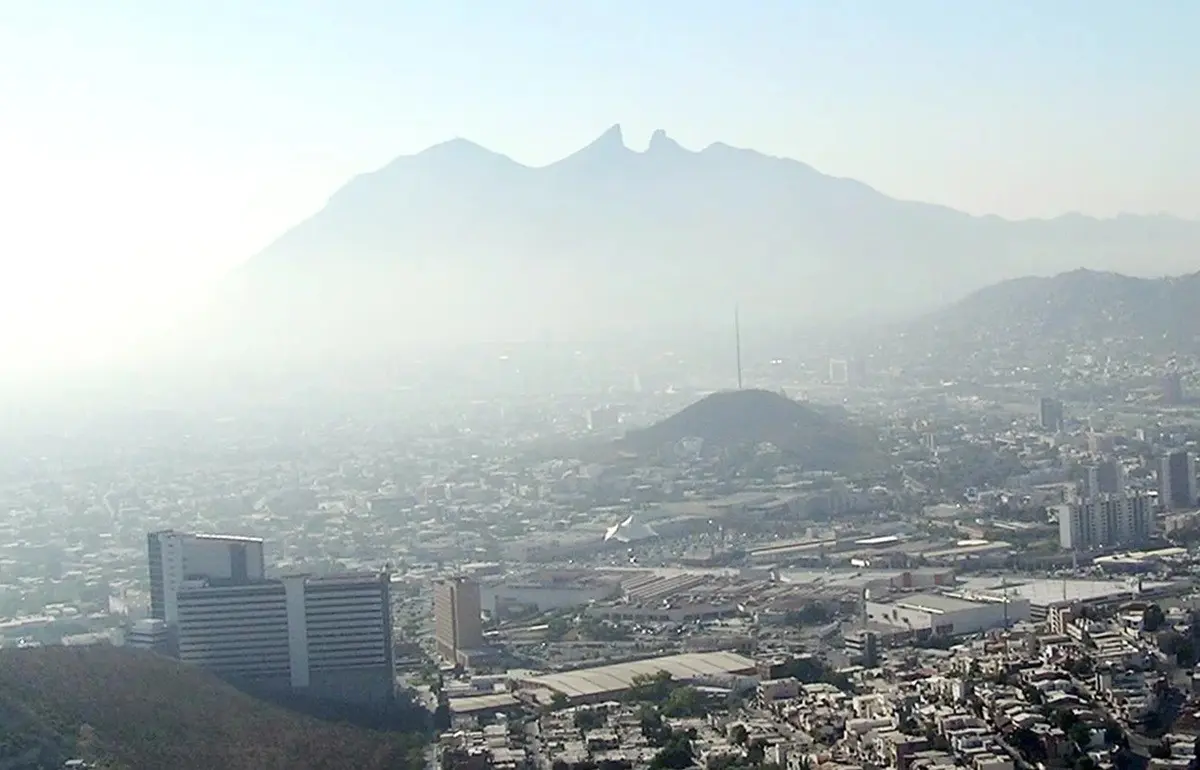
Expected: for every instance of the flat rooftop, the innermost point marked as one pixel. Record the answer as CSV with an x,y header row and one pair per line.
x,y
619,677
1046,591
935,604
486,702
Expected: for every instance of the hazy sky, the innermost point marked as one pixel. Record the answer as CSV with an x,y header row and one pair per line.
x,y
145,146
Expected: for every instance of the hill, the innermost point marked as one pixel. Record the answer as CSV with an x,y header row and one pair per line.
x,y
134,710
460,243
1076,308
816,438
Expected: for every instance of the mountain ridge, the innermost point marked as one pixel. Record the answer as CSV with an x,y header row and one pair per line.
x,y
1074,307
460,243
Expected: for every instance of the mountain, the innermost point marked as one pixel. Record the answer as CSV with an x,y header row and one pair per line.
x,y
817,438
1079,307
461,243
127,710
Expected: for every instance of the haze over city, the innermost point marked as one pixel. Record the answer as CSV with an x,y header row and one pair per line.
x,y
147,152
591,385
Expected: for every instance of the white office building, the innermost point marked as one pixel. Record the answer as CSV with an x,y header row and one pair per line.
x,y
149,634
1105,521
327,637
178,557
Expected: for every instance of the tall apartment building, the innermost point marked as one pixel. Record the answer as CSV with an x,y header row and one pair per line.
x,y
1105,521
326,637
457,625
1103,478
1051,414
1172,388
1177,480
177,557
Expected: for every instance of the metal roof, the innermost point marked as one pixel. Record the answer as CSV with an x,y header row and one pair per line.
x,y
619,677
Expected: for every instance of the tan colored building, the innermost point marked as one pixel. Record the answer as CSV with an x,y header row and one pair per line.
x,y
456,617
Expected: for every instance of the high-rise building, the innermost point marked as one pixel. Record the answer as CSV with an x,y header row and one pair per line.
x,y
1101,443
1103,478
177,557
1177,480
1172,388
457,625
1105,521
326,637
1050,414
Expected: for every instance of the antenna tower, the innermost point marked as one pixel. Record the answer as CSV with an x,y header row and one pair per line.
x,y
737,333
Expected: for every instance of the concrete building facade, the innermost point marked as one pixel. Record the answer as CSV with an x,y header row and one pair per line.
x,y
178,557
1105,521
326,637
457,622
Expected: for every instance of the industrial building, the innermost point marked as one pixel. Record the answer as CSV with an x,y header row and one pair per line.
x,y
326,637
603,682
945,614
545,591
177,557
1045,595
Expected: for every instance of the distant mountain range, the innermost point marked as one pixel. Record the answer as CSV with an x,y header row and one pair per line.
x,y
459,242
818,438
1080,306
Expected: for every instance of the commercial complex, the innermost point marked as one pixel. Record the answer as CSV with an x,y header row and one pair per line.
x,y
945,615
177,557
328,637
457,621
602,682
1105,521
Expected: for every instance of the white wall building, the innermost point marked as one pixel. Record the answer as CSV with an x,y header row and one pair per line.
x,y
149,634
328,637
176,557
944,615
1105,521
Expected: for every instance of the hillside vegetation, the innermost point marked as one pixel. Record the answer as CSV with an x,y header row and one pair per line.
x,y
128,710
816,438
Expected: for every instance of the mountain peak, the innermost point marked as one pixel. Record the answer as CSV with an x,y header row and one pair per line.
x,y
612,138
660,142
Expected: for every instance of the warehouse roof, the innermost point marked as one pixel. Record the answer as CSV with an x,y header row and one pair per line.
x,y
619,677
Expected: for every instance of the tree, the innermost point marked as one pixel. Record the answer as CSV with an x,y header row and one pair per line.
x,y
651,687
738,735
557,628
1081,735
558,701
588,719
677,754
1085,763
1153,618
1067,719
684,702
441,715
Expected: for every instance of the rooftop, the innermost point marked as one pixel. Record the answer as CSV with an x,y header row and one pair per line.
x,y
936,604
618,677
